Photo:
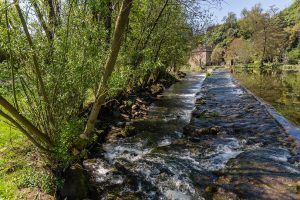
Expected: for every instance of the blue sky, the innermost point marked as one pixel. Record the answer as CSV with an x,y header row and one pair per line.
x,y
237,6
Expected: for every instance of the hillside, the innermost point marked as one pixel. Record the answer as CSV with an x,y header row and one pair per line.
x,y
259,36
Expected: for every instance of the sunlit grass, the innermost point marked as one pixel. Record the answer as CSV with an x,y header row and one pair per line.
x,y
19,164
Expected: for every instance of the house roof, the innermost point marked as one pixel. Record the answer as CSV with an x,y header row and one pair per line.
x,y
201,48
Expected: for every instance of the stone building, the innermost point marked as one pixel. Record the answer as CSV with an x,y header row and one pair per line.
x,y
200,57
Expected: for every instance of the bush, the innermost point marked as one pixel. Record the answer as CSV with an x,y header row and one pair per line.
x,y
67,151
294,56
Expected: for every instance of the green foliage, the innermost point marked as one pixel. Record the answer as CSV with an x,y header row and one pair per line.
x,y
294,56
69,142
291,14
259,36
36,179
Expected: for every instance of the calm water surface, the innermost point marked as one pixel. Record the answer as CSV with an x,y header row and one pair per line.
x,y
280,87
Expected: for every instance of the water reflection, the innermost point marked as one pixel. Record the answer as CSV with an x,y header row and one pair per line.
x,y
280,87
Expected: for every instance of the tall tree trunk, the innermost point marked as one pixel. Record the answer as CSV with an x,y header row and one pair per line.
x,y
109,66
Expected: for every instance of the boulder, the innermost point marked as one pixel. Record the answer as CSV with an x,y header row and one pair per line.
x,y
157,89
75,186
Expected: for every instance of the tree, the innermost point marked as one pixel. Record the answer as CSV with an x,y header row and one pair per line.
x,y
63,54
230,20
238,51
122,20
217,56
264,30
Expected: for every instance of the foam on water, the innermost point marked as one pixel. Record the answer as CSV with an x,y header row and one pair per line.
x,y
176,195
100,169
165,142
132,153
219,156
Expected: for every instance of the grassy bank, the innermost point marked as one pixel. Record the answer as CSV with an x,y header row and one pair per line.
x,y
22,173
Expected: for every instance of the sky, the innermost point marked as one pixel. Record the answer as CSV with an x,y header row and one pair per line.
x,y
237,6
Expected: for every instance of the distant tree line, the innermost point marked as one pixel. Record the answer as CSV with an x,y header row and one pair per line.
x,y
257,37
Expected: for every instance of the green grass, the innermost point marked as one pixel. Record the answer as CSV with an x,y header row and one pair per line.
x,y
20,165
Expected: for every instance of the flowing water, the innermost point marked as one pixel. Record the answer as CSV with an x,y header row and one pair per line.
x,y
249,152
278,86
156,163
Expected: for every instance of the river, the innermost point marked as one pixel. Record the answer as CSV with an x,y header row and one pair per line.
x,y
186,151
278,86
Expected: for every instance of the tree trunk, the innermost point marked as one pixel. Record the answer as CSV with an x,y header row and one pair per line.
x,y
49,33
109,66
25,122
32,139
264,48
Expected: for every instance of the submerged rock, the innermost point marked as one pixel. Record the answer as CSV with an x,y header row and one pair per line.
x,y
194,132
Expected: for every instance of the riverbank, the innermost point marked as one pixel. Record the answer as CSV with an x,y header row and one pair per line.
x,y
264,164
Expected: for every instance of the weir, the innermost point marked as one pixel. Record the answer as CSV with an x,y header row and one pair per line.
x,y
204,138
